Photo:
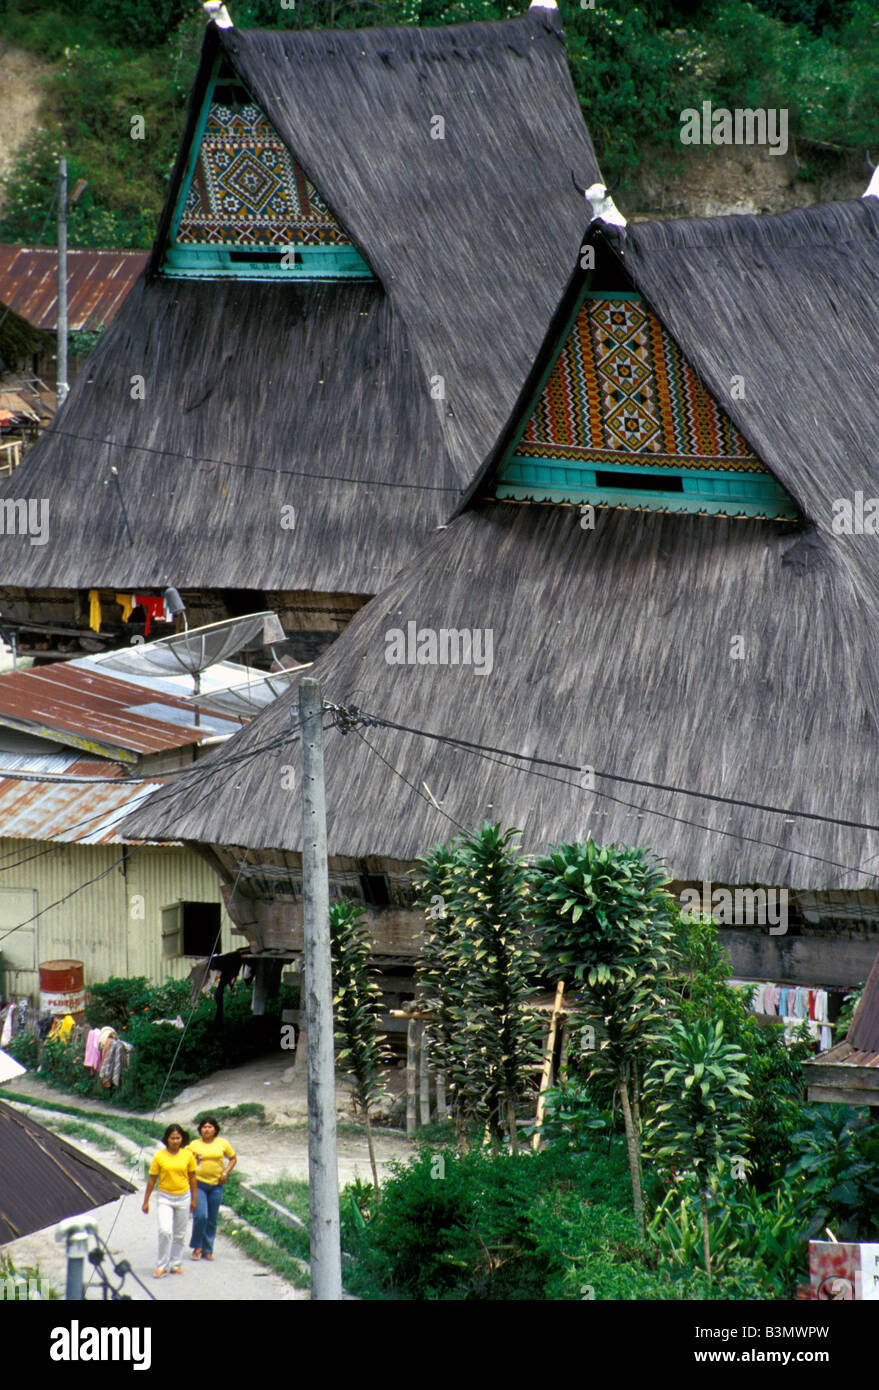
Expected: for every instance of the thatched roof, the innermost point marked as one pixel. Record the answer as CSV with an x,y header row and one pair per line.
x,y
612,648
469,237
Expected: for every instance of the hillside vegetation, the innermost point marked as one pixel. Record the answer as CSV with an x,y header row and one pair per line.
x,y
636,67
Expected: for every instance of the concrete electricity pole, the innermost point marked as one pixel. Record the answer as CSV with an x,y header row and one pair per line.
x,y
323,1174
61,387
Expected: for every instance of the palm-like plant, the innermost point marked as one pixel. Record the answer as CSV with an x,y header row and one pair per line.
x,y
697,1121
604,919
357,1008
475,975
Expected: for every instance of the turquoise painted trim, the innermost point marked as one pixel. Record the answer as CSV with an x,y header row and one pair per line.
x,y
313,263
614,294
544,378
185,262
769,509
713,490
194,151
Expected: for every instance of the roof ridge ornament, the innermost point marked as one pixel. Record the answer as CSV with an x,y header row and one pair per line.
x,y
872,189
218,13
543,5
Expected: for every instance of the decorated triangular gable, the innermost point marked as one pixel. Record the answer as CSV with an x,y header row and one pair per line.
x,y
622,420
246,208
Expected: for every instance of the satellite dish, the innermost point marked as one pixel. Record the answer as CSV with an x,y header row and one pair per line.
x,y
192,651
248,697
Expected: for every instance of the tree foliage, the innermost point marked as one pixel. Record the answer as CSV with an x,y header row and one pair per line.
x,y
477,972
604,919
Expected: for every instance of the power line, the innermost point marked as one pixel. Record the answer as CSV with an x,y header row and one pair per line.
x,y
253,467
485,752
615,777
159,778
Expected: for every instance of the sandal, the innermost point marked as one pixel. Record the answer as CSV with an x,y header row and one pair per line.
x,y
196,1254
207,1255
160,1272
176,1269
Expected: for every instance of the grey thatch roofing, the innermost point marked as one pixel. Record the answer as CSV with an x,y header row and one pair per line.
x,y
612,648
470,238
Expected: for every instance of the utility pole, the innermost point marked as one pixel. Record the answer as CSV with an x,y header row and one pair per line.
x,y
61,387
323,1173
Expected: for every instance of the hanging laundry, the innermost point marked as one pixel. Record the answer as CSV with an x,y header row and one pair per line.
x,y
92,1058
126,603
8,1025
154,607
94,610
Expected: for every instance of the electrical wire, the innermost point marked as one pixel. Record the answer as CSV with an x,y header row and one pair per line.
x,y
632,781
487,753
252,467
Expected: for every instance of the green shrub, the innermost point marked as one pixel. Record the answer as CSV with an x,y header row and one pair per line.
x,y
489,1225
164,1059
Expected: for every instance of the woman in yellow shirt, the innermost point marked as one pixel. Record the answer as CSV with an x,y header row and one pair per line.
x,y
210,1151
173,1168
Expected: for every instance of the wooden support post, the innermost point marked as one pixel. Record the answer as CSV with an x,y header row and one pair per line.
x,y
442,1112
424,1073
411,1056
546,1075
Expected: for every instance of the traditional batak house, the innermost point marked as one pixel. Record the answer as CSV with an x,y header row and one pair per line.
x,y
648,622
364,237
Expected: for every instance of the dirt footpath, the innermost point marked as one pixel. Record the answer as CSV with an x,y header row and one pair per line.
x,y
266,1152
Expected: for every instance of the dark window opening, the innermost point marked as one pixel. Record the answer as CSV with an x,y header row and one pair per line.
x,y
233,95
375,890
201,928
273,257
641,482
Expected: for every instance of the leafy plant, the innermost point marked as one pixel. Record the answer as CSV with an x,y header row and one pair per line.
x,y
357,1009
696,1124
745,1227
835,1172
603,915
477,976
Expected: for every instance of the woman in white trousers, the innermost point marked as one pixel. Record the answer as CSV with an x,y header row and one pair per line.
x,y
173,1170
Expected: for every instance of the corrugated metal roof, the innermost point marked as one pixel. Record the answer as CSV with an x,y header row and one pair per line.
x,y
89,710
97,283
74,814
45,1178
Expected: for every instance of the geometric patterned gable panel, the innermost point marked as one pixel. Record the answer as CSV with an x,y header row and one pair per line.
x,y
621,392
248,190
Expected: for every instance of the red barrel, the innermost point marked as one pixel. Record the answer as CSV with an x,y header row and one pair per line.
x,y
62,987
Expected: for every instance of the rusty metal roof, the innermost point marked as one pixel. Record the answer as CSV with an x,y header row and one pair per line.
x,y
75,814
83,708
97,283
45,1178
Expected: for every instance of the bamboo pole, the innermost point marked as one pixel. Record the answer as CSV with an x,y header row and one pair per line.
x,y
546,1075
424,1073
411,1053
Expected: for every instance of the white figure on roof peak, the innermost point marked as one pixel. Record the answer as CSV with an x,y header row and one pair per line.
x,y
218,13
543,5
872,189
